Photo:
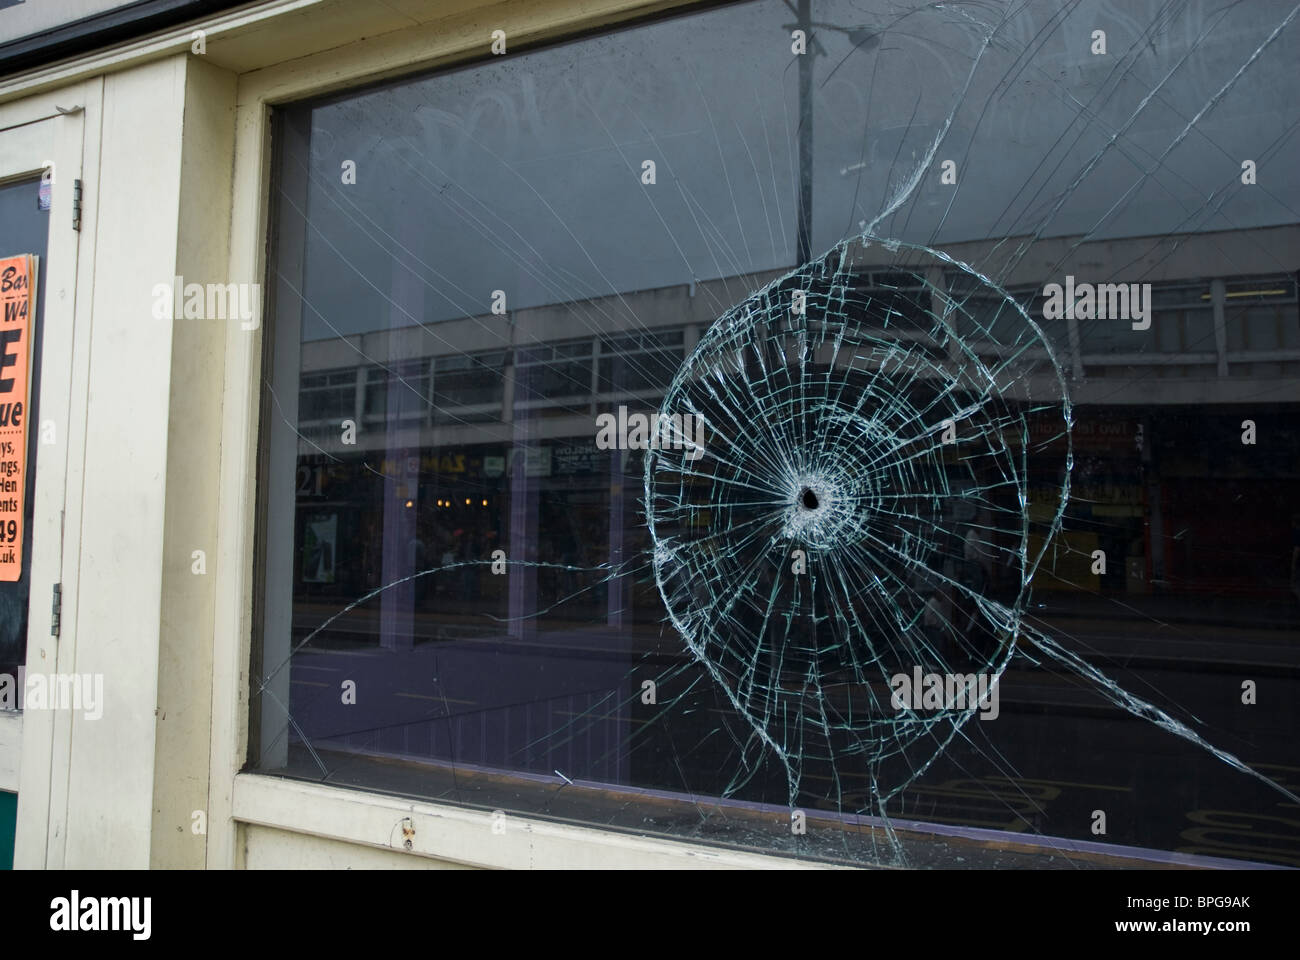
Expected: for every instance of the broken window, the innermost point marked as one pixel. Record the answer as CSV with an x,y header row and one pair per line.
x,y
834,429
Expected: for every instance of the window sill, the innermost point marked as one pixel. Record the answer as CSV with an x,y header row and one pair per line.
x,y
467,836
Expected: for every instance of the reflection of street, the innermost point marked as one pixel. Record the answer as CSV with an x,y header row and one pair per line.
x,y
1057,754
477,697
567,699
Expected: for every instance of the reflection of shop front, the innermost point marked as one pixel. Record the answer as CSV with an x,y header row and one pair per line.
x,y
1226,502
329,523
577,509
590,517
1165,502
1101,547
1160,502
447,502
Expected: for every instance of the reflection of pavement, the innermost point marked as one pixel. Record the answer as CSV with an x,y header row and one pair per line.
x,y
1057,754
493,701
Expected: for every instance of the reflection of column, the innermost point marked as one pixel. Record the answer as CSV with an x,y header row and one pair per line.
x,y
359,398
1218,296
402,478
401,486
523,537
690,337
617,488
523,511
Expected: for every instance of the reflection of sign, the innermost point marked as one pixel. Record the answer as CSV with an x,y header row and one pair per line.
x,y
1110,435
579,459
453,462
1107,491
1090,433
319,544
537,460
18,303
493,467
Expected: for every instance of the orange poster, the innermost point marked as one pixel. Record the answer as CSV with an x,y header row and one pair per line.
x,y
17,300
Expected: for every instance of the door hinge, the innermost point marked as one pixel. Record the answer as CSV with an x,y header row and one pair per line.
x,y
56,609
76,205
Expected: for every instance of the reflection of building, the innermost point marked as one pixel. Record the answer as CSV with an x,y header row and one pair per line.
x,y
1227,344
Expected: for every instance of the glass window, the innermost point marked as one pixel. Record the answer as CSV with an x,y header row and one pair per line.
x,y
663,414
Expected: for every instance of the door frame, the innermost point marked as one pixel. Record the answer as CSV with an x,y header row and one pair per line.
x,y
61,129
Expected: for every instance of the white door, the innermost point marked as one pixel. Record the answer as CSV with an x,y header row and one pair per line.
x,y
43,138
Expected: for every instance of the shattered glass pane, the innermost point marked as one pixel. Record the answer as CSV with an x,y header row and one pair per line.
x,y
863,465
827,428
